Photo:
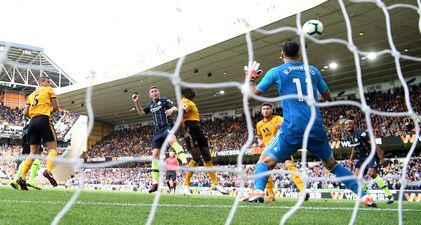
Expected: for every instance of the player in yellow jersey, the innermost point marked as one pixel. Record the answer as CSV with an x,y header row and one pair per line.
x,y
266,130
196,142
39,106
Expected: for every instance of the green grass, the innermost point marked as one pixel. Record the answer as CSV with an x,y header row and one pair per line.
x,y
96,207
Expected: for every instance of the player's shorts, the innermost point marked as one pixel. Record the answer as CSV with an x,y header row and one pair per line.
x,y
40,128
197,136
25,149
159,137
374,163
171,175
281,149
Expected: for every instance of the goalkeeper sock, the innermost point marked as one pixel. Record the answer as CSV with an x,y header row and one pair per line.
x,y
341,171
180,152
26,165
34,170
295,177
260,182
380,182
189,174
20,168
155,171
269,187
212,174
50,163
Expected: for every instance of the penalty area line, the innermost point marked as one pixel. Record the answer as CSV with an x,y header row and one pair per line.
x,y
249,205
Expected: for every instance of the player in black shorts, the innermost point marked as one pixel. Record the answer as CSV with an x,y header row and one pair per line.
x,y
35,165
39,106
197,143
361,147
161,110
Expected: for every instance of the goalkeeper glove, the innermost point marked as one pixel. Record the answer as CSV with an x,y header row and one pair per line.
x,y
254,72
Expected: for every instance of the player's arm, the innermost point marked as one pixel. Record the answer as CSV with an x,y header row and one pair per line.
x,y
53,100
170,107
378,150
139,109
323,89
352,157
260,141
55,104
380,155
26,110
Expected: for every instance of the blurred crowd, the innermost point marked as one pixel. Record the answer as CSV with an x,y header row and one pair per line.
x,y
223,133
13,116
140,176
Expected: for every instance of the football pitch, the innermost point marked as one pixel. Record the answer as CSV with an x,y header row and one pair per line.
x,y
99,207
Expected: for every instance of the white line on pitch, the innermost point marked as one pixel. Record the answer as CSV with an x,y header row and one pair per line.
x,y
201,205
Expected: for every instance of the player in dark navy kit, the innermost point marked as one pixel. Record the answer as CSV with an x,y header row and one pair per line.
x,y
361,147
290,79
161,109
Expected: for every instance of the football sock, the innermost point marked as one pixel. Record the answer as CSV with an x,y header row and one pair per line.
x,y
50,163
20,168
260,182
180,152
212,174
341,171
26,166
380,182
155,171
189,174
269,186
295,177
34,170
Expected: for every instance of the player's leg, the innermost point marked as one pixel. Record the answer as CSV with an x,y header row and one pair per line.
x,y
52,154
167,180
205,152
19,165
277,150
26,166
269,189
36,165
373,173
322,149
289,164
174,181
195,153
155,169
177,147
357,172
34,141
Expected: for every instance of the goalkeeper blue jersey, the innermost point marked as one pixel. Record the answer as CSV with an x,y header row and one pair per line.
x,y
290,79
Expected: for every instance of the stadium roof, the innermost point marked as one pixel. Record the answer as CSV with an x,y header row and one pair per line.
x,y
21,66
224,62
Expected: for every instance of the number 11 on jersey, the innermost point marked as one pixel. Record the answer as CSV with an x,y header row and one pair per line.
x,y
299,89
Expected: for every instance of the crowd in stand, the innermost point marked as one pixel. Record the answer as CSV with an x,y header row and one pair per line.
x,y
223,132
140,176
13,116
63,121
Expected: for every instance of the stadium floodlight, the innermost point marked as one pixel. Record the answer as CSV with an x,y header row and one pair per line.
x,y
371,56
333,65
